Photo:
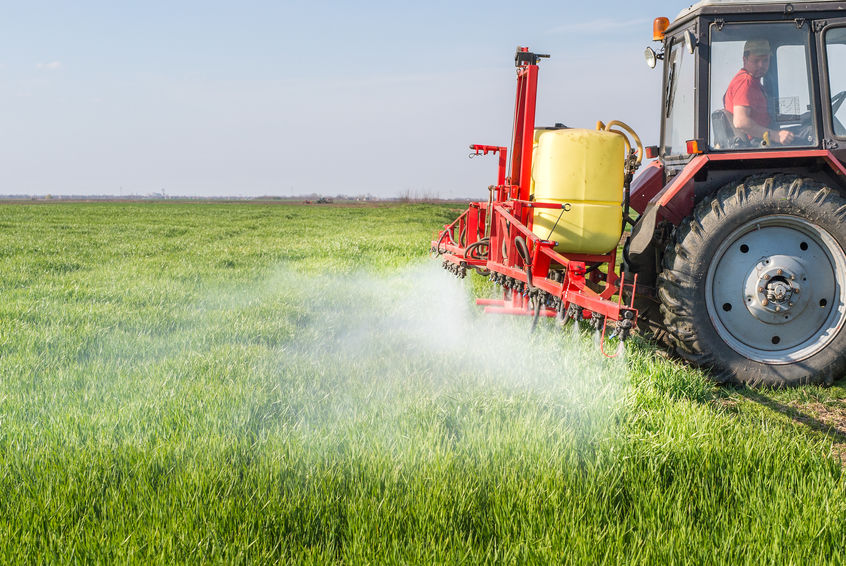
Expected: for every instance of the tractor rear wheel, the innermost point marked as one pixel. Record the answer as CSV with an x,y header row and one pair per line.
x,y
754,283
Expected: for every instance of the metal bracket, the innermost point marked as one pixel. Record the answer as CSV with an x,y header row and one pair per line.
x,y
830,144
818,25
719,23
576,273
800,22
522,58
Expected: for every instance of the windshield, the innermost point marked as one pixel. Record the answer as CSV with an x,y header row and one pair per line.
x,y
760,94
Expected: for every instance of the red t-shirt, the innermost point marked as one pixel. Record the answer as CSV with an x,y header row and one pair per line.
x,y
745,90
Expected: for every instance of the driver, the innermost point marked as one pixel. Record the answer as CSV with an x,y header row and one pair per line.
x,y
745,98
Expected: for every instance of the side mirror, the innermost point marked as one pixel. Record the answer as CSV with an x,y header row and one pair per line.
x,y
651,57
689,41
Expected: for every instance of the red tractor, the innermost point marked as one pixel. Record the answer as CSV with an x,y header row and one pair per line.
x,y
734,247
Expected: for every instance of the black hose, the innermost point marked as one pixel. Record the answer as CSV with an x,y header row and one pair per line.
x,y
537,302
438,245
469,250
504,236
523,250
627,189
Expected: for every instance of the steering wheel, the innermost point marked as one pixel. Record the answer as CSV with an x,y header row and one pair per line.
x,y
803,132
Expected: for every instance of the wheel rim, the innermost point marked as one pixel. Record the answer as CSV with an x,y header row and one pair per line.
x,y
776,289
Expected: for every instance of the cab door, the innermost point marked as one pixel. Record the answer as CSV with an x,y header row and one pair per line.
x,y
831,47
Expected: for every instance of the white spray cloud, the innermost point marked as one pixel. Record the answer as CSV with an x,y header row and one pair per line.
x,y
388,344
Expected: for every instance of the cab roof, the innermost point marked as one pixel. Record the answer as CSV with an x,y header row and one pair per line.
x,y
718,7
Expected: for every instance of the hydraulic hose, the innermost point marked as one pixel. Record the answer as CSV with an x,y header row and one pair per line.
x,y
627,129
537,304
470,251
441,239
633,159
523,250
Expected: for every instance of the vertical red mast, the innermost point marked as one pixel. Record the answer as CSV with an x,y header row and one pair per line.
x,y
524,120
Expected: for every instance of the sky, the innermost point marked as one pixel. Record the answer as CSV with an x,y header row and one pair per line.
x,y
288,97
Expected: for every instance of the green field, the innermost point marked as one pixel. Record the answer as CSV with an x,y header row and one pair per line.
x,y
302,384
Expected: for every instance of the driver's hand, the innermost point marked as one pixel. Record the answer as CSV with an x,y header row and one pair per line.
x,y
785,137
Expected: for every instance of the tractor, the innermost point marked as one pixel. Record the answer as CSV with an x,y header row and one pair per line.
x,y
729,247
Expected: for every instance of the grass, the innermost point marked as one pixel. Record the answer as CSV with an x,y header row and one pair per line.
x,y
279,383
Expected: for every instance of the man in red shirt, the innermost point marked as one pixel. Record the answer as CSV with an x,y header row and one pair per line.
x,y
745,98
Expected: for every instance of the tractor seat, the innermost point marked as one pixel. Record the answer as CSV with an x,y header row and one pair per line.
x,y
725,134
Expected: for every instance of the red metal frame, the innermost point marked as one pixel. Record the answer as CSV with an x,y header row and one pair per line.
x,y
675,201
503,158
558,284
524,127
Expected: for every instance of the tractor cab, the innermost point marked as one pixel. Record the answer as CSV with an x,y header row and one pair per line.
x,y
751,77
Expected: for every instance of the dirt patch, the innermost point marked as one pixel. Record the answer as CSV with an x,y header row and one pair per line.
x,y
830,419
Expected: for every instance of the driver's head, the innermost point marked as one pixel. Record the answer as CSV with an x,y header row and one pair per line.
x,y
756,57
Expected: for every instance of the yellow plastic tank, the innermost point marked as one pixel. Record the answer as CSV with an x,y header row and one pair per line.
x,y
582,168
538,133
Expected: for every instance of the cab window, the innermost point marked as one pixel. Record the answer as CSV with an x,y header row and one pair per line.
x,y
760,87
835,50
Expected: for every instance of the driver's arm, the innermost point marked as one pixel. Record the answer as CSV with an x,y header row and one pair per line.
x,y
743,121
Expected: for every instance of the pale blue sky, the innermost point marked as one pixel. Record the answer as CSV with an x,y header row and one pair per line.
x,y
293,97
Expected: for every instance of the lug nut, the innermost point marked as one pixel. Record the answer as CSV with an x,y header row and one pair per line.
x,y
760,289
779,272
765,302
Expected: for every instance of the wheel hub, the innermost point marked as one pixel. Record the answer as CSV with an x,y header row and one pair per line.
x,y
773,291
782,270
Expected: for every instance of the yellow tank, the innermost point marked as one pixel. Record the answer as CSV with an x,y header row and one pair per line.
x,y
538,133
583,168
